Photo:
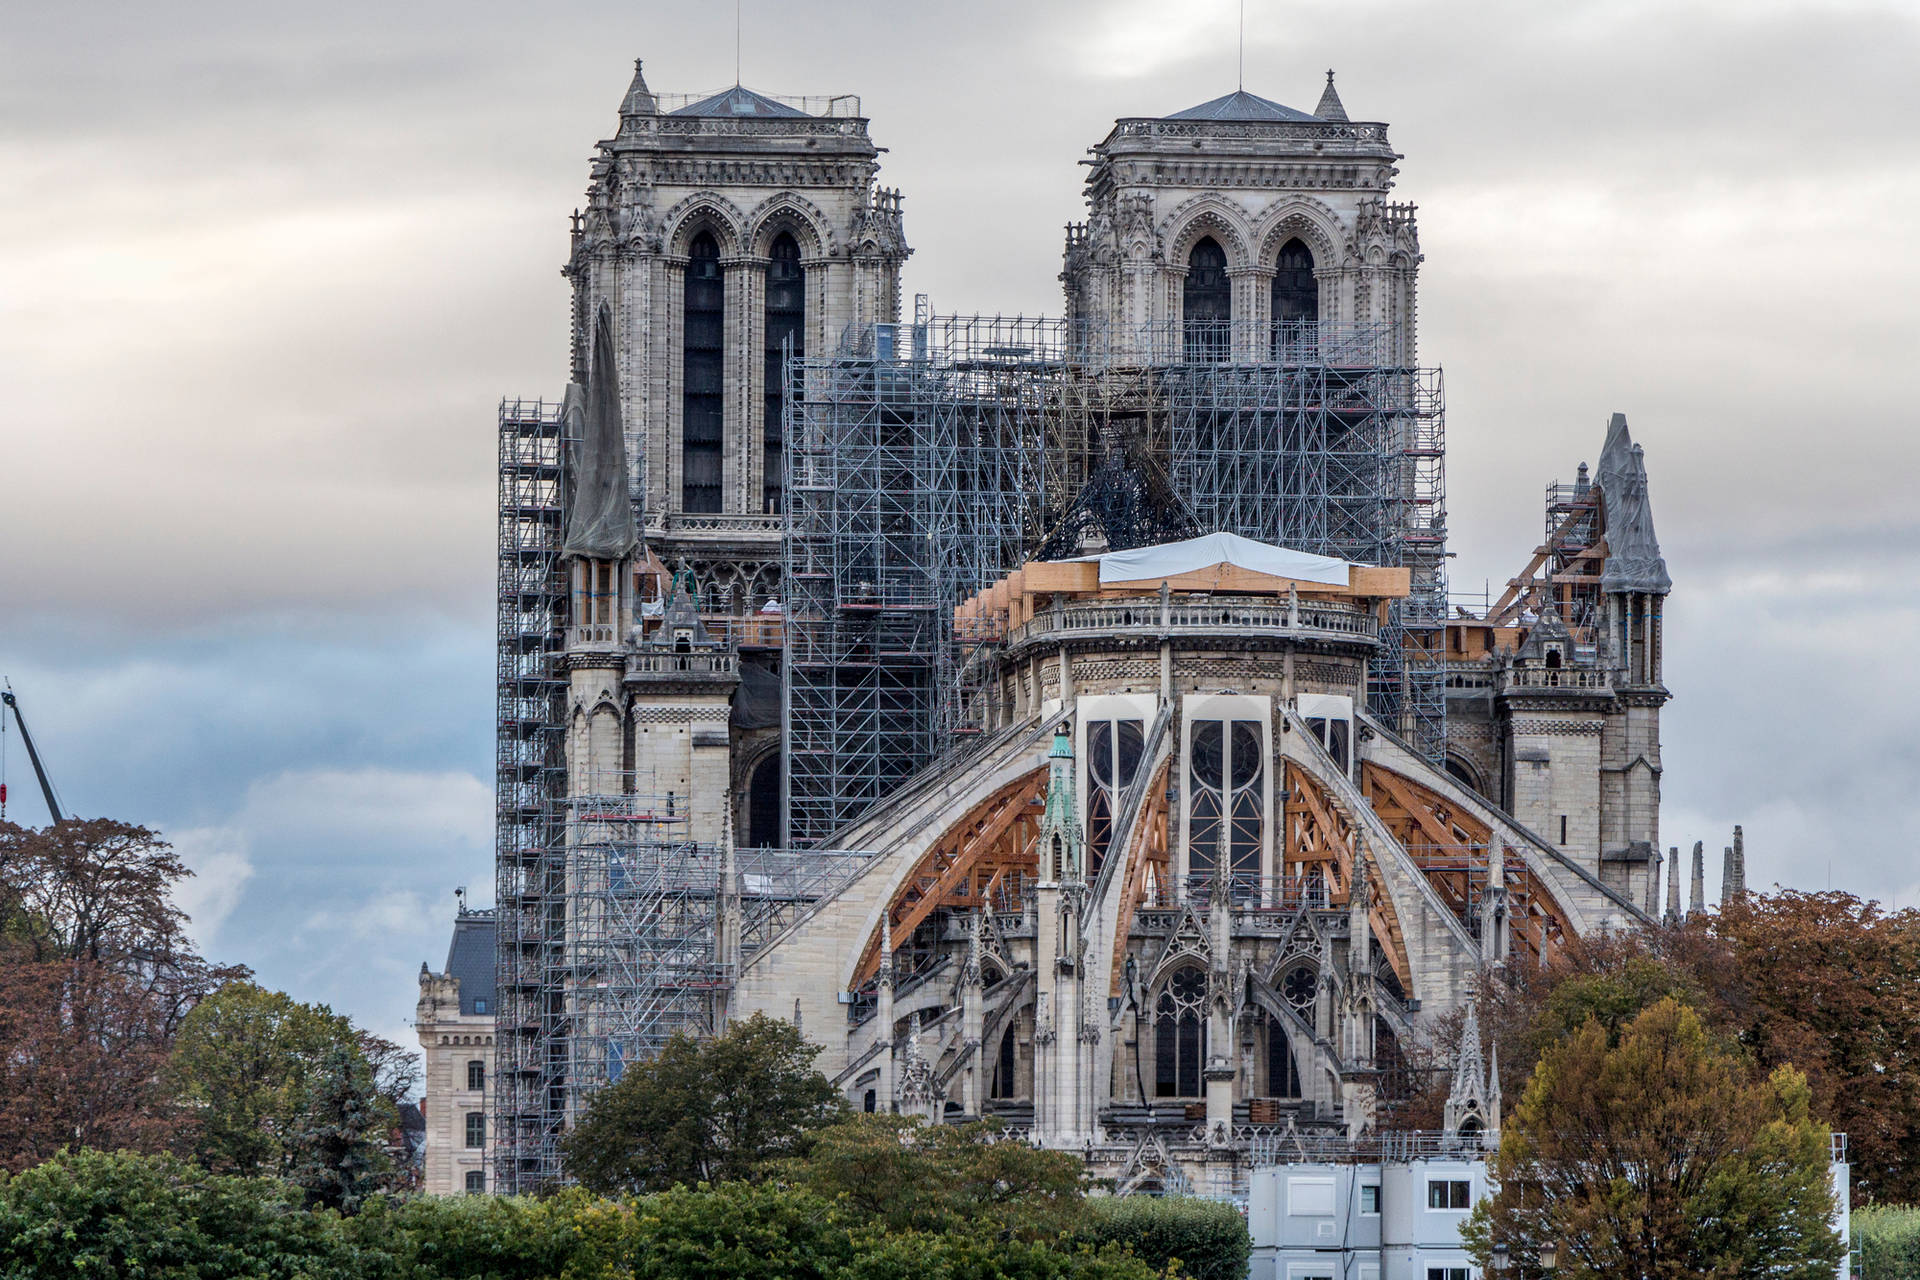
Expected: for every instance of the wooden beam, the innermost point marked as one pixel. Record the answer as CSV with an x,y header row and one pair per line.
x,y
944,867
1151,837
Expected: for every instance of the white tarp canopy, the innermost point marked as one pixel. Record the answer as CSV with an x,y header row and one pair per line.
x,y
1171,559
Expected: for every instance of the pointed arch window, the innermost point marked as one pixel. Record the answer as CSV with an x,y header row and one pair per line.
x,y
1226,766
786,334
1180,1034
1004,1070
1283,1070
1296,300
1113,753
702,425
1207,304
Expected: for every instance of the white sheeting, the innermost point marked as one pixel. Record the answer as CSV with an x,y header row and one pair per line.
x,y
1172,558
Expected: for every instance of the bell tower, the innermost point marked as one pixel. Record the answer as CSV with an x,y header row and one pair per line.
x,y
725,231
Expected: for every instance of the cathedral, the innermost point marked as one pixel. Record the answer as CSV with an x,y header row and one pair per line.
x,y
1064,722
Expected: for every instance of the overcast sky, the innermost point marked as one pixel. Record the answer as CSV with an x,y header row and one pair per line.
x,y
265,272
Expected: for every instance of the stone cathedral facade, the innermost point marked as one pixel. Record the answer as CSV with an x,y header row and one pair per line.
x,y
725,234
1176,893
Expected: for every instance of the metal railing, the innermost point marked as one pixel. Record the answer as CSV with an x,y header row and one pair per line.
x,y
1318,621
1269,893
843,106
1267,1146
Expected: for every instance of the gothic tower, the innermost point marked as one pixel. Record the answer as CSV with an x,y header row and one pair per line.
x,y
1241,226
723,231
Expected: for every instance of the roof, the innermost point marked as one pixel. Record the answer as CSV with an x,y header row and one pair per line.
x,y
1170,559
1241,105
738,101
1330,106
470,960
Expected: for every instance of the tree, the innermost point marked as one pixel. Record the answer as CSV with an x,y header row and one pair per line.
x,y
92,889
710,1111
82,1048
1661,1157
242,1061
1831,984
288,1090
912,1176
339,1149
90,1213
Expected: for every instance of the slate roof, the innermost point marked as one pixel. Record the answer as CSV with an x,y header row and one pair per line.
x,y
738,101
470,959
1241,105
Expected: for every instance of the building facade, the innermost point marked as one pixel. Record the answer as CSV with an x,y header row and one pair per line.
x,y
1059,721
454,1020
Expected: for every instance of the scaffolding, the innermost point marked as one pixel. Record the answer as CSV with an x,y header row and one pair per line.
x,y
529,779
644,918
927,460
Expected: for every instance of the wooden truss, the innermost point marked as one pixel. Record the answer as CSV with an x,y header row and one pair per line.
x,y
1148,854
1454,850
982,855
1321,837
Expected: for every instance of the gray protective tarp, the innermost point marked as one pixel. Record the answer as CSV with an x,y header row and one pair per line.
x,y
600,526
756,703
1634,562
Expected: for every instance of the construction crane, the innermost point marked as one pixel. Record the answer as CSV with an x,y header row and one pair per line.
x,y
39,770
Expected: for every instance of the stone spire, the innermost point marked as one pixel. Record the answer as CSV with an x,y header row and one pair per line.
x,y
1673,885
639,100
600,526
1330,107
1634,562
1698,902
1733,875
1471,1104
1059,825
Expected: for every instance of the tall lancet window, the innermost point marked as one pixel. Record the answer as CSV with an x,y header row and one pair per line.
x,y
702,425
786,323
1296,299
1113,753
1208,303
1180,1035
1225,770
1283,1071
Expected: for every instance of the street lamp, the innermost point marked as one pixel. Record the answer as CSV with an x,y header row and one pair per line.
x,y
1549,1255
1502,1257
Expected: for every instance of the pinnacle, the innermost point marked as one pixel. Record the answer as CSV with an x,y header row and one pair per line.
x,y
639,100
1330,107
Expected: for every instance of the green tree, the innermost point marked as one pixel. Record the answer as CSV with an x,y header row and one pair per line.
x,y
1889,1240
289,1090
704,1111
912,1176
90,1213
1204,1239
339,1146
1660,1157
242,1061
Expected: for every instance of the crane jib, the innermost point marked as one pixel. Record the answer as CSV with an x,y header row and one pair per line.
x,y
33,755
